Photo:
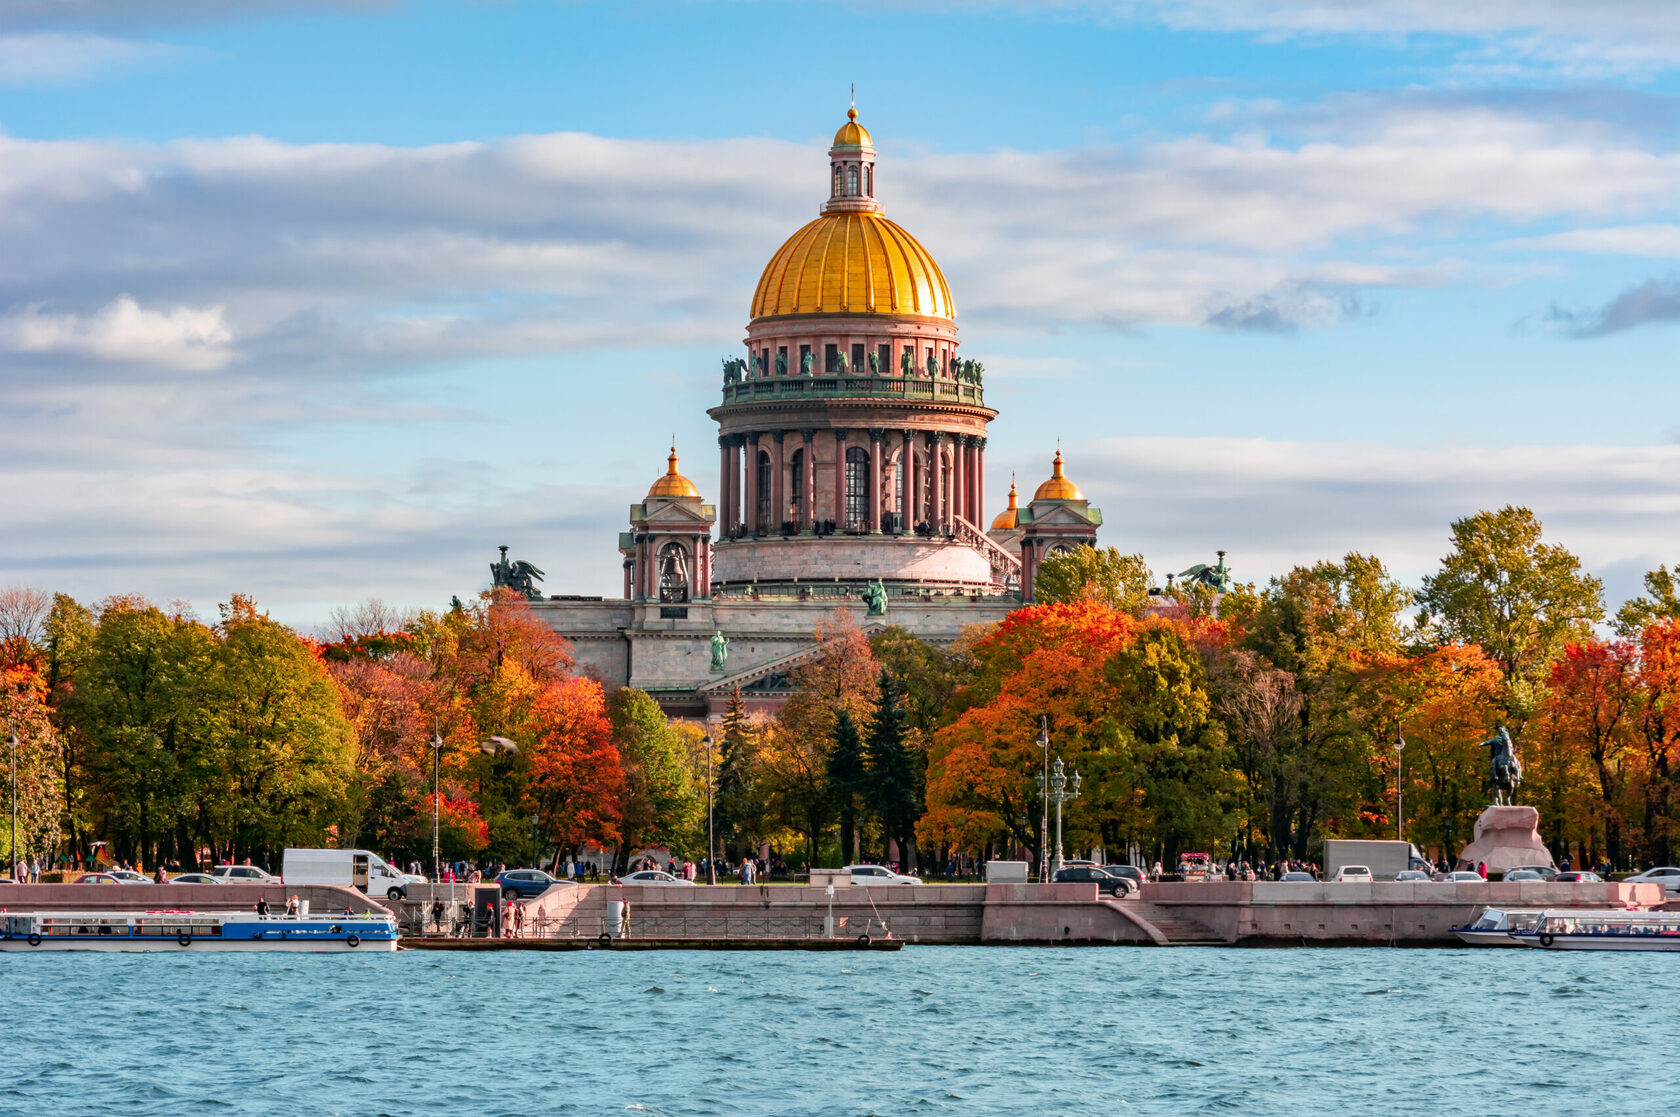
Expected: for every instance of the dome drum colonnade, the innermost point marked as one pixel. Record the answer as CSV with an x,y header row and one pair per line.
x,y
851,413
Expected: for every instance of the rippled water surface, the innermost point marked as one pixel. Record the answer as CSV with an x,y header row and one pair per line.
x,y
945,1030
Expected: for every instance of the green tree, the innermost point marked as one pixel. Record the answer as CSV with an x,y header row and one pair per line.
x,y
139,708
895,771
661,806
847,779
1101,574
1518,598
737,807
927,675
282,755
1663,604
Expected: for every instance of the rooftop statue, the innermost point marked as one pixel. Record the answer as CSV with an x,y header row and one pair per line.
x,y
906,366
840,363
874,363
1505,770
781,364
875,596
734,369
758,368
521,577
720,650
806,361
932,366
1216,578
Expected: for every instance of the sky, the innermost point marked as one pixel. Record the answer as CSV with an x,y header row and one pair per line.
x,y
320,301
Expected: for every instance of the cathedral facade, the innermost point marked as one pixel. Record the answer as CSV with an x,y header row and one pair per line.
x,y
852,466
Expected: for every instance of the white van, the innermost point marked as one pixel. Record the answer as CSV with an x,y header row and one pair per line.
x,y
354,868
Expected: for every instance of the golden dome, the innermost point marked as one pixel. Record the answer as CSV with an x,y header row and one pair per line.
x,y
673,483
1058,487
1005,520
851,133
852,263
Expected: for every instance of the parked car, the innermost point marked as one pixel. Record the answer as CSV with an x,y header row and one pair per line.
x,y
1412,875
879,874
1298,878
1667,876
1090,874
1354,873
98,878
1545,872
1131,872
652,876
1463,875
522,884
1523,874
243,874
1579,876
195,878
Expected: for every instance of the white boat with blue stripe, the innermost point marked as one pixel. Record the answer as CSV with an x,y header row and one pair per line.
x,y
179,931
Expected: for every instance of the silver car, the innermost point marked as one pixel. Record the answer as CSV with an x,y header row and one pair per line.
x,y
1667,876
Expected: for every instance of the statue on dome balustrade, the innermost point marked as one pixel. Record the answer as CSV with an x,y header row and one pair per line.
x,y
874,363
840,364
757,368
734,369
906,366
807,361
933,367
781,363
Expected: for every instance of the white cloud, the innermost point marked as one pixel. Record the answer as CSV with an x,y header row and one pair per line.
x,y
57,56
186,338
1655,241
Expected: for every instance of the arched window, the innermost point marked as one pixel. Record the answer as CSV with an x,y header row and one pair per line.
x,y
869,181
764,477
851,180
836,180
857,487
673,573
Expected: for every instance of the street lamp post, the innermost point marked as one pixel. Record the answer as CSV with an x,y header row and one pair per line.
x,y
1044,800
1399,787
437,751
1059,792
711,843
536,850
11,739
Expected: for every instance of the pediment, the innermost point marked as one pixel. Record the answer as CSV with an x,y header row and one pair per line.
x,y
1063,514
681,516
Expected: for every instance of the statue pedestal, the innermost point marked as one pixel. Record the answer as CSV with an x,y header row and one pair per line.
x,y
1506,837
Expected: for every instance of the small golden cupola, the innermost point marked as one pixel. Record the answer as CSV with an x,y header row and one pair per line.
x,y
1006,519
1058,487
674,484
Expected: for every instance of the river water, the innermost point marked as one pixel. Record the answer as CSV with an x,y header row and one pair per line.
x,y
929,1030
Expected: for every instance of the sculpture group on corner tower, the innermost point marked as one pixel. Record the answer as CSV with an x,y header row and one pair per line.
x,y
521,577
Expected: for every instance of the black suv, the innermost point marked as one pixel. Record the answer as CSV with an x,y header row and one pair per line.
x,y
1088,874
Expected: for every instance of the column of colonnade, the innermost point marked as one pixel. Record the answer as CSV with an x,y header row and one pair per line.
x,y
955,487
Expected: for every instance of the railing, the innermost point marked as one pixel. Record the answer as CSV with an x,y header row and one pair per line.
x,y
873,387
1006,568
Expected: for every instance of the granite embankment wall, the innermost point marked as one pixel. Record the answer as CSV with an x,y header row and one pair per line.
x,y
1420,914
179,897
1259,913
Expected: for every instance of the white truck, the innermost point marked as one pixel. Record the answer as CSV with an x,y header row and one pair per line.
x,y
1385,859
353,868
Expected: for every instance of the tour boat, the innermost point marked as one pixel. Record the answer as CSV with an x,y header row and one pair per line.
x,y
1494,926
196,930
1578,929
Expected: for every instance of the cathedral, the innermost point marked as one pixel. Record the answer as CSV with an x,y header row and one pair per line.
x,y
852,476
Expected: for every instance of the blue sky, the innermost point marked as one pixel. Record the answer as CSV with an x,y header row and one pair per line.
x,y
324,301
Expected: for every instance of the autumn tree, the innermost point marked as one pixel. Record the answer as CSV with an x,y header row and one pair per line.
x,y
1101,574
1662,603
39,796
576,780
1515,596
1591,697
